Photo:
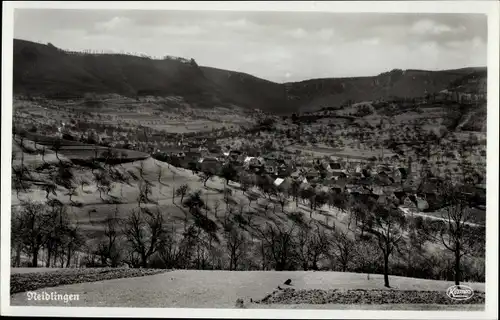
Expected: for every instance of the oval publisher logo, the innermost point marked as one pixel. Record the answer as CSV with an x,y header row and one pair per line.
x,y
460,292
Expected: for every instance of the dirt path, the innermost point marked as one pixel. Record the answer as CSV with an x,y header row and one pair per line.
x,y
423,215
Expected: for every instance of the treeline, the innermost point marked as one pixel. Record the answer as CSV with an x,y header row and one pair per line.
x,y
372,243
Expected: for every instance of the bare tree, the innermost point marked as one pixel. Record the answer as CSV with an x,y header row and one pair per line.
x,y
279,242
295,191
110,245
56,146
144,231
282,200
182,191
74,241
103,183
72,192
311,245
205,176
50,188
456,231
175,252
343,248
251,197
236,245
388,226
33,222
145,192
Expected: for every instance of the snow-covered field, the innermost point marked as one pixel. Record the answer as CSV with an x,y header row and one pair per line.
x,y
220,289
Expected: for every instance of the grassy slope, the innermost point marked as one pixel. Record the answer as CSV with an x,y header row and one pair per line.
x,y
208,289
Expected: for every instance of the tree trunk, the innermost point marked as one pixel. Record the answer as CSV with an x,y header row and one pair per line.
x,y
17,261
54,261
34,261
144,260
68,261
457,266
49,255
386,270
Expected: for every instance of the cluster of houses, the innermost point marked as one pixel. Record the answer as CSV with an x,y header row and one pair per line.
x,y
328,175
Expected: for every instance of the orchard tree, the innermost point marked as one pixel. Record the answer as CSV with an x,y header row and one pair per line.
x,y
456,231
144,232
388,226
181,191
205,176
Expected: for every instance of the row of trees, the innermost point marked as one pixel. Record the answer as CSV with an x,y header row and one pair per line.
x,y
38,226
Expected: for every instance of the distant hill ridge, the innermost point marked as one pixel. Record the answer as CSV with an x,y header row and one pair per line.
x,y
41,69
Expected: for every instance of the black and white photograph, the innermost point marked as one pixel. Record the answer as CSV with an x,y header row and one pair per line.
x,y
241,158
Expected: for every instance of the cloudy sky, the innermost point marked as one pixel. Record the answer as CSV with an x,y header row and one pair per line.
x,y
278,46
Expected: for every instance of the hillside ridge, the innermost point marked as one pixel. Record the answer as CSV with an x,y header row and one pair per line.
x,y
41,69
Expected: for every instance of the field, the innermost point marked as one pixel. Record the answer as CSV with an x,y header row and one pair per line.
x,y
221,289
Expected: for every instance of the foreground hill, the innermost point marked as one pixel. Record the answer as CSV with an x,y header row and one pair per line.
x,y
46,70
221,289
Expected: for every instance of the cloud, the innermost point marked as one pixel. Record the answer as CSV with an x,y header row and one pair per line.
x,y
298,33
326,34
240,23
430,27
114,24
180,30
371,41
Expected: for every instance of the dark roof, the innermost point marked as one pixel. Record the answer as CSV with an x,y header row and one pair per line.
x,y
403,171
335,165
192,153
338,173
271,163
429,187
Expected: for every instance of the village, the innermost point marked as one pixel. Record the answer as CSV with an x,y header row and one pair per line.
x,y
289,174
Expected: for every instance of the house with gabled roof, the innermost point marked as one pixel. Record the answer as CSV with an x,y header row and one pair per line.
x,y
383,179
283,184
210,164
338,174
334,166
408,203
271,166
